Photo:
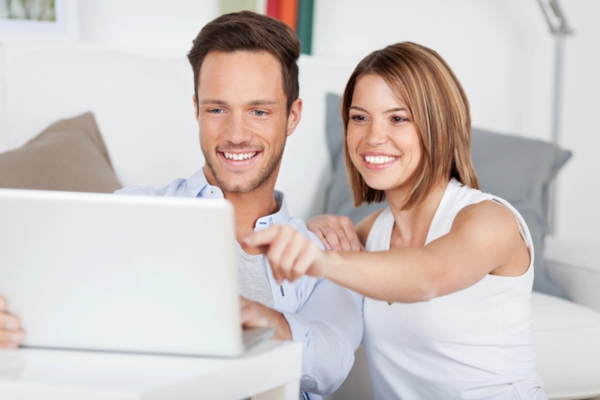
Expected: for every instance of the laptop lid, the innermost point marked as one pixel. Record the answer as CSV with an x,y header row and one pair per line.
x,y
121,273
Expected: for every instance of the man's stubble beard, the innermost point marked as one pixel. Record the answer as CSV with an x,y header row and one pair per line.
x,y
261,178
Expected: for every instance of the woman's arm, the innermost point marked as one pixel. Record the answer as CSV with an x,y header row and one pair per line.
x,y
484,239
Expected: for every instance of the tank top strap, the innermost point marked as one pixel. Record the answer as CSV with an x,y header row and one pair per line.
x,y
381,232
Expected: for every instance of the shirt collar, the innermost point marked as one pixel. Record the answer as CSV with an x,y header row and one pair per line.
x,y
199,187
281,217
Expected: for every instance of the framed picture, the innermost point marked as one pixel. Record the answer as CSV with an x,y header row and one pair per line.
x,y
39,21
33,15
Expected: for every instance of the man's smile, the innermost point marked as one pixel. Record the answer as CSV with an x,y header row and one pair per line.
x,y
240,159
239,156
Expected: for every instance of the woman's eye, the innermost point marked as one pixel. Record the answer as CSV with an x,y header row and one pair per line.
x,y
398,119
358,118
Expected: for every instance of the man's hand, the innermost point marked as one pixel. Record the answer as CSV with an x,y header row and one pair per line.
x,y
335,232
290,253
255,315
11,334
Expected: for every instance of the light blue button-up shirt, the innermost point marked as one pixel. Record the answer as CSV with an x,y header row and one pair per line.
x,y
329,325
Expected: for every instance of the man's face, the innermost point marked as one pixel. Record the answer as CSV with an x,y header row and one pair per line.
x,y
243,119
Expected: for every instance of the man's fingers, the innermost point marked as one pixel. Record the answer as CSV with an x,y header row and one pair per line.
x,y
11,339
244,301
9,322
251,315
11,334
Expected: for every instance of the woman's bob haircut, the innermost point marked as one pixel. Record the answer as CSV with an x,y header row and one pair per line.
x,y
439,109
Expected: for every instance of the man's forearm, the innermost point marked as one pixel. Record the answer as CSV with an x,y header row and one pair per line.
x,y
330,327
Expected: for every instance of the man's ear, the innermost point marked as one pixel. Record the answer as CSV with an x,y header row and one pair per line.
x,y
195,101
294,116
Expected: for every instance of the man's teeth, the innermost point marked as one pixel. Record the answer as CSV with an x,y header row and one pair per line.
x,y
379,159
239,156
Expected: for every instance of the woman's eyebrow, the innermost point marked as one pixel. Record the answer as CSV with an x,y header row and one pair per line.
x,y
391,110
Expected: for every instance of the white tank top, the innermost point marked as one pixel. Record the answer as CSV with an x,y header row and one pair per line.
x,y
473,344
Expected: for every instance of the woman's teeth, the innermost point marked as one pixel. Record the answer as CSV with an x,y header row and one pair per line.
x,y
379,159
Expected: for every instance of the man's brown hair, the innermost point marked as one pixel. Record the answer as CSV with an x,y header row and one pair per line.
x,y
440,110
248,31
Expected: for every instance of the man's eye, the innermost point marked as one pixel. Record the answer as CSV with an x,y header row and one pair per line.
x,y
260,113
215,111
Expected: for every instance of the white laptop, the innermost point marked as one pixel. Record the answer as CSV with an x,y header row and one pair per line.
x,y
122,273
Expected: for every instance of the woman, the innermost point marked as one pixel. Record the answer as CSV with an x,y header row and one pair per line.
x,y
448,269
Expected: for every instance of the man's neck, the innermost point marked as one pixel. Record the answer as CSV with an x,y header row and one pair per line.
x,y
249,208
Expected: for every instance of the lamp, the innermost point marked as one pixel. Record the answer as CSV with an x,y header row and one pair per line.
x,y
559,27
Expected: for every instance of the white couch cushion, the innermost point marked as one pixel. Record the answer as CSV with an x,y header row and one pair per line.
x,y
567,339
575,268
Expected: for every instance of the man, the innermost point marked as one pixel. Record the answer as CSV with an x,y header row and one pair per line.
x,y
246,104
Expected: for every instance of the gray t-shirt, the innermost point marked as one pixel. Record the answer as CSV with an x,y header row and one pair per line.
x,y
253,278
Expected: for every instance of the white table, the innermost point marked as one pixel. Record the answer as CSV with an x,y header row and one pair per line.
x,y
271,370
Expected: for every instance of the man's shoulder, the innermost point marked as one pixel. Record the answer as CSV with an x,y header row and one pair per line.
x,y
300,225
191,187
176,188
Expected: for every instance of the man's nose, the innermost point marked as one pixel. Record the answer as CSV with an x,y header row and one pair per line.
x,y
238,130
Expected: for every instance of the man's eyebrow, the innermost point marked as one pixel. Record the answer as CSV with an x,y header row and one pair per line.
x,y
210,101
251,103
262,102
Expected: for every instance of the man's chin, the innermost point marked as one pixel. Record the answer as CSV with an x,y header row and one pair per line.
x,y
239,185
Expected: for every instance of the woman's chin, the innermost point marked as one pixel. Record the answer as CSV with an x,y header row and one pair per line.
x,y
378,184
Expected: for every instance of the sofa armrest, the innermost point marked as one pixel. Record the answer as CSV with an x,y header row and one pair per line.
x,y
575,268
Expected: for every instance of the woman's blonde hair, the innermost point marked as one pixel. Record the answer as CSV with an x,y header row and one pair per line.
x,y
440,110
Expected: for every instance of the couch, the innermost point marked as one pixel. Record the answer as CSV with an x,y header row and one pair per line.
x,y
85,118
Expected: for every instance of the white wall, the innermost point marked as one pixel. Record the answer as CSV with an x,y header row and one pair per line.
x,y
501,51
496,48
147,26
503,54
579,194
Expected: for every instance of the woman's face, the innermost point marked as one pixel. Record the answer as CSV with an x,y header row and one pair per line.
x,y
383,141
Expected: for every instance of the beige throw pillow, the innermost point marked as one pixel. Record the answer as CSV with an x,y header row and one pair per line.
x,y
69,155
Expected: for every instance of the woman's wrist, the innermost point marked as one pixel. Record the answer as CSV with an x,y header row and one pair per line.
x,y
331,265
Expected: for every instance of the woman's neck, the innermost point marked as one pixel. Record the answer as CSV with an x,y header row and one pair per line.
x,y
411,226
